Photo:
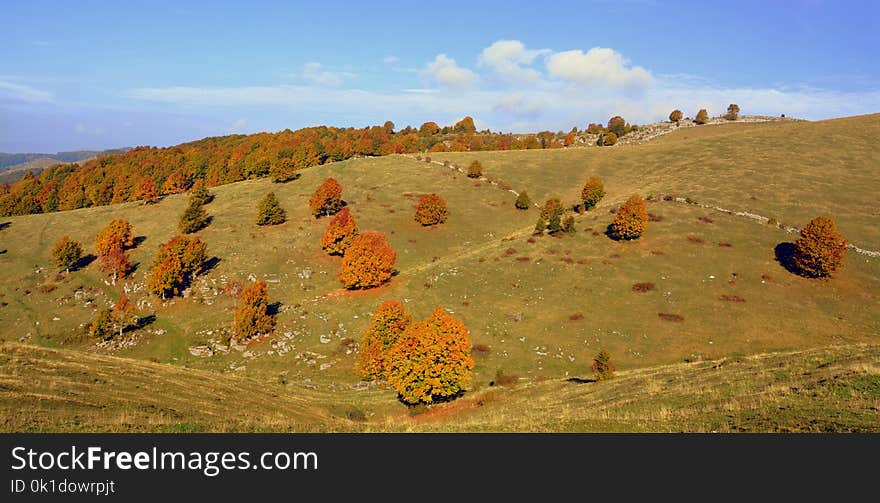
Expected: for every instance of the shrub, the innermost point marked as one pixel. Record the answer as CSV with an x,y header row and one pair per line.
x,y
269,211
569,140
431,360
368,261
647,286
675,115
631,219
475,170
283,170
66,253
327,199
592,193
702,116
252,317
607,139
387,324
193,218
732,112
340,233
602,366
431,210
199,193
147,192
117,234
175,264
820,250
523,202
568,223
551,216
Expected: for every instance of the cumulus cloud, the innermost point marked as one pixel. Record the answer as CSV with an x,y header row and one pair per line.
x,y
10,91
445,72
510,60
315,74
599,65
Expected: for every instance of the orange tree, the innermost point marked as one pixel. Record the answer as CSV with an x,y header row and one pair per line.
x,y
340,233
124,313
388,323
66,253
117,234
431,360
368,261
475,170
820,250
175,264
631,219
252,317
327,199
592,193
675,115
702,116
115,263
431,210
147,191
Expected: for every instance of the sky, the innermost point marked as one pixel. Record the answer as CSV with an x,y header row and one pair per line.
x,y
96,75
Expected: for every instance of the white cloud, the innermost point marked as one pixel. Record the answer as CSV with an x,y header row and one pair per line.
x,y
10,91
600,66
391,60
315,74
510,59
446,73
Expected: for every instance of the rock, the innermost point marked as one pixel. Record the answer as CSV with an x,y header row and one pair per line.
x,y
201,351
325,339
325,366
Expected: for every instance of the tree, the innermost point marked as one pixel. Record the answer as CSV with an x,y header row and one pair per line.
x,y
606,139
676,115
523,202
175,264
568,223
431,360
102,326
702,116
147,191
732,112
475,170
368,261
116,235
269,211
592,193
327,199
340,233
569,139
431,210
199,193
283,170
631,219
429,128
618,126
602,366
252,317
820,250
193,218
66,253
386,326
123,313
115,263
388,127
465,125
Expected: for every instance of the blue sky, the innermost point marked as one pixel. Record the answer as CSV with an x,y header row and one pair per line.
x,y
90,75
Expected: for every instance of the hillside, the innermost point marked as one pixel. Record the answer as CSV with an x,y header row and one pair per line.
x,y
541,307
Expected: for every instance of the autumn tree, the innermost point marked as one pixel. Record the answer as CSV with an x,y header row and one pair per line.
x,y
199,193
193,219
592,193
606,139
386,326
174,184
431,210
523,202
175,264
475,170
340,233
431,361
631,219
618,126
115,263
429,128
368,261
551,216
702,116
269,211
117,234
676,115
327,199
66,253
602,366
569,139
283,170
147,191
124,313
465,125
732,112
252,317
102,327
820,250
388,127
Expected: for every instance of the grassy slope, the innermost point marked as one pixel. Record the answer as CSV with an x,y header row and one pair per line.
x,y
522,309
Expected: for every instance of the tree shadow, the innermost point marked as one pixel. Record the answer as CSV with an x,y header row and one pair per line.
x,y
138,240
785,256
296,176
274,308
580,380
4,225
83,262
210,265
436,400
3,251
132,268
141,322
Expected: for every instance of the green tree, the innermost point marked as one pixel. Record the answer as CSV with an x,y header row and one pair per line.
x,y
523,202
193,218
66,253
270,211
602,366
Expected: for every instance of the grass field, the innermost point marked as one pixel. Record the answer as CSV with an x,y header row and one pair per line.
x,y
543,306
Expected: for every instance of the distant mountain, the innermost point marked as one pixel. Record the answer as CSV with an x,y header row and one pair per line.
x,y
9,160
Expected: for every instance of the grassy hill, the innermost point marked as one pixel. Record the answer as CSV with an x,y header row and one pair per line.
x,y
542,306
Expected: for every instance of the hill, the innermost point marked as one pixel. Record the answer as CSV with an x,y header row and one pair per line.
x,y
539,307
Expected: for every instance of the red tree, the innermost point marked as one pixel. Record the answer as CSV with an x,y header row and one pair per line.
x,y
340,233
327,199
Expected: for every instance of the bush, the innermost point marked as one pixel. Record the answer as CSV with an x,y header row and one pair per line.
x,y
607,139
475,170
327,199
732,112
592,193
368,261
820,250
270,212
602,366
569,140
631,219
431,210
340,233
199,193
568,223
117,234
702,116
523,202
386,326
675,115
283,170
431,360
175,264
551,216
66,253
193,219
252,317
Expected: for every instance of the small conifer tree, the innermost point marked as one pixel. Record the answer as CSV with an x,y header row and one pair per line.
x,y
269,211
